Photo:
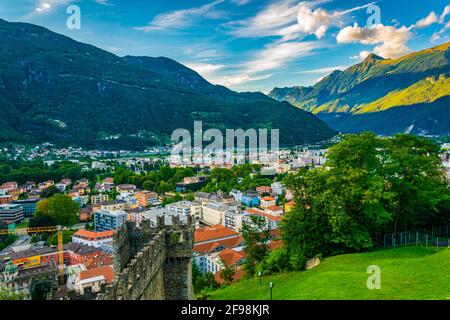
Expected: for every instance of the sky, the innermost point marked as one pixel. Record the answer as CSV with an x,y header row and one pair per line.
x,y
247,45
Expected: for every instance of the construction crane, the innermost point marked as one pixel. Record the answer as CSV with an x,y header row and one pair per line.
x,y
58,229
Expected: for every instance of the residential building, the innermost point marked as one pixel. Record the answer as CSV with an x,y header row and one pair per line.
x,y
234,219
11,213
180,207
91,238
277,188
213,234
126,188
108,220
146,198
236,194
10,185
268,202
263,189
274,210
250,198
7,199
116,205
29,206
93,279
272,221
99,198
213,213
215,262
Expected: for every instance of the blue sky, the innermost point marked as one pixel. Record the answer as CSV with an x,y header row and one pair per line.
x,y
248,45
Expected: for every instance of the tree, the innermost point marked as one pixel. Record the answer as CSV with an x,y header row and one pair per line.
x,y
60,208
49,192
256,234
6,294
370,185
227,273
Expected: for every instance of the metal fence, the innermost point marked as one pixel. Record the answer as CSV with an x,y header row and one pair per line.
x,y
437,237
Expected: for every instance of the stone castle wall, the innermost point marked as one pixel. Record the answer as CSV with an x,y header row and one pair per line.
x,y
152,263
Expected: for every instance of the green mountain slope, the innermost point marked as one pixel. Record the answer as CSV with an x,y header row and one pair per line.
x,y
376,85
406,273
55,89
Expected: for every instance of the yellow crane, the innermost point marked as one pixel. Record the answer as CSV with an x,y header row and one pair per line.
x,y
58,229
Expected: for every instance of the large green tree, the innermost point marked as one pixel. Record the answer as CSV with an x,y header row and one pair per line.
x,y
368,186
60,208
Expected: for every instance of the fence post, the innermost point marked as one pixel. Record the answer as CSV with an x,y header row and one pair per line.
x,y
401,238
426,240
417,238
437,244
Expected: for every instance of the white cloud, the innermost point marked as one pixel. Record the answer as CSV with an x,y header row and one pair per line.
x,y
182,18
43,6
240,2
390,41
238,79
444,14
323,70
361,56
274,56
206,70
289,19
432,18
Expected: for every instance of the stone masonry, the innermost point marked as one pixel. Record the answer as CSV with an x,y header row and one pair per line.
x,y
152,262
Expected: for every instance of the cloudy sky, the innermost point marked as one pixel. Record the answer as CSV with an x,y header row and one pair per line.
x,y
248,45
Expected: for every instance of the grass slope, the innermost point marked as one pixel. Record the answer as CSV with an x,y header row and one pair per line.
x,y
406,273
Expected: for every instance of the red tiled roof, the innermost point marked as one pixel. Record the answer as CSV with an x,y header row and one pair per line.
x,y
215,232
230,257
262,213
274,208
268,198
106,271
94,235
226,243
98,261
275,244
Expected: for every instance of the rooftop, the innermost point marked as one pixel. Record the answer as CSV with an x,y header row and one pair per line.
x,y
215,232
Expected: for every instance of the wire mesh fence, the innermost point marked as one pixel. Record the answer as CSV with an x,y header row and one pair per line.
x,y
438,237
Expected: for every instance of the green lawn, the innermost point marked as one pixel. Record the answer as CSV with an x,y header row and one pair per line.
x,y
406,273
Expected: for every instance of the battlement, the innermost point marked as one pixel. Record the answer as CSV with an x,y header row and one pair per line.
x,y
152,262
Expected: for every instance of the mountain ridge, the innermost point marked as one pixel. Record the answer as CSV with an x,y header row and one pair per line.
x,y
55,89
376,85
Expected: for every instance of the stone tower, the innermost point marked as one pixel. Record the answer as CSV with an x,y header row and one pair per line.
x,y
152,262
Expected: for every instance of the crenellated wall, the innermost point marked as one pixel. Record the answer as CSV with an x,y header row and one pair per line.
x,y
152,263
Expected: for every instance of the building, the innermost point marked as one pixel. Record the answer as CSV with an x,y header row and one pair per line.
x,y
234,220
91,238
190,184
180,207
146,198
116,205
126,188
271,220
93,279
268,202
213,233
217,261
274,210
213,213
20,280
250,199
105,220
10,185
11,213
263,189
277,188
7,199
99,198
288,206
236,194
28,205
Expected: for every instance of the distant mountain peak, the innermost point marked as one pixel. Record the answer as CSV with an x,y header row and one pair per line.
x,y
373,57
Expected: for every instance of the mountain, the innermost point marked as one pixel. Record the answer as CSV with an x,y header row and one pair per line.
x,y
55,89
409,94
